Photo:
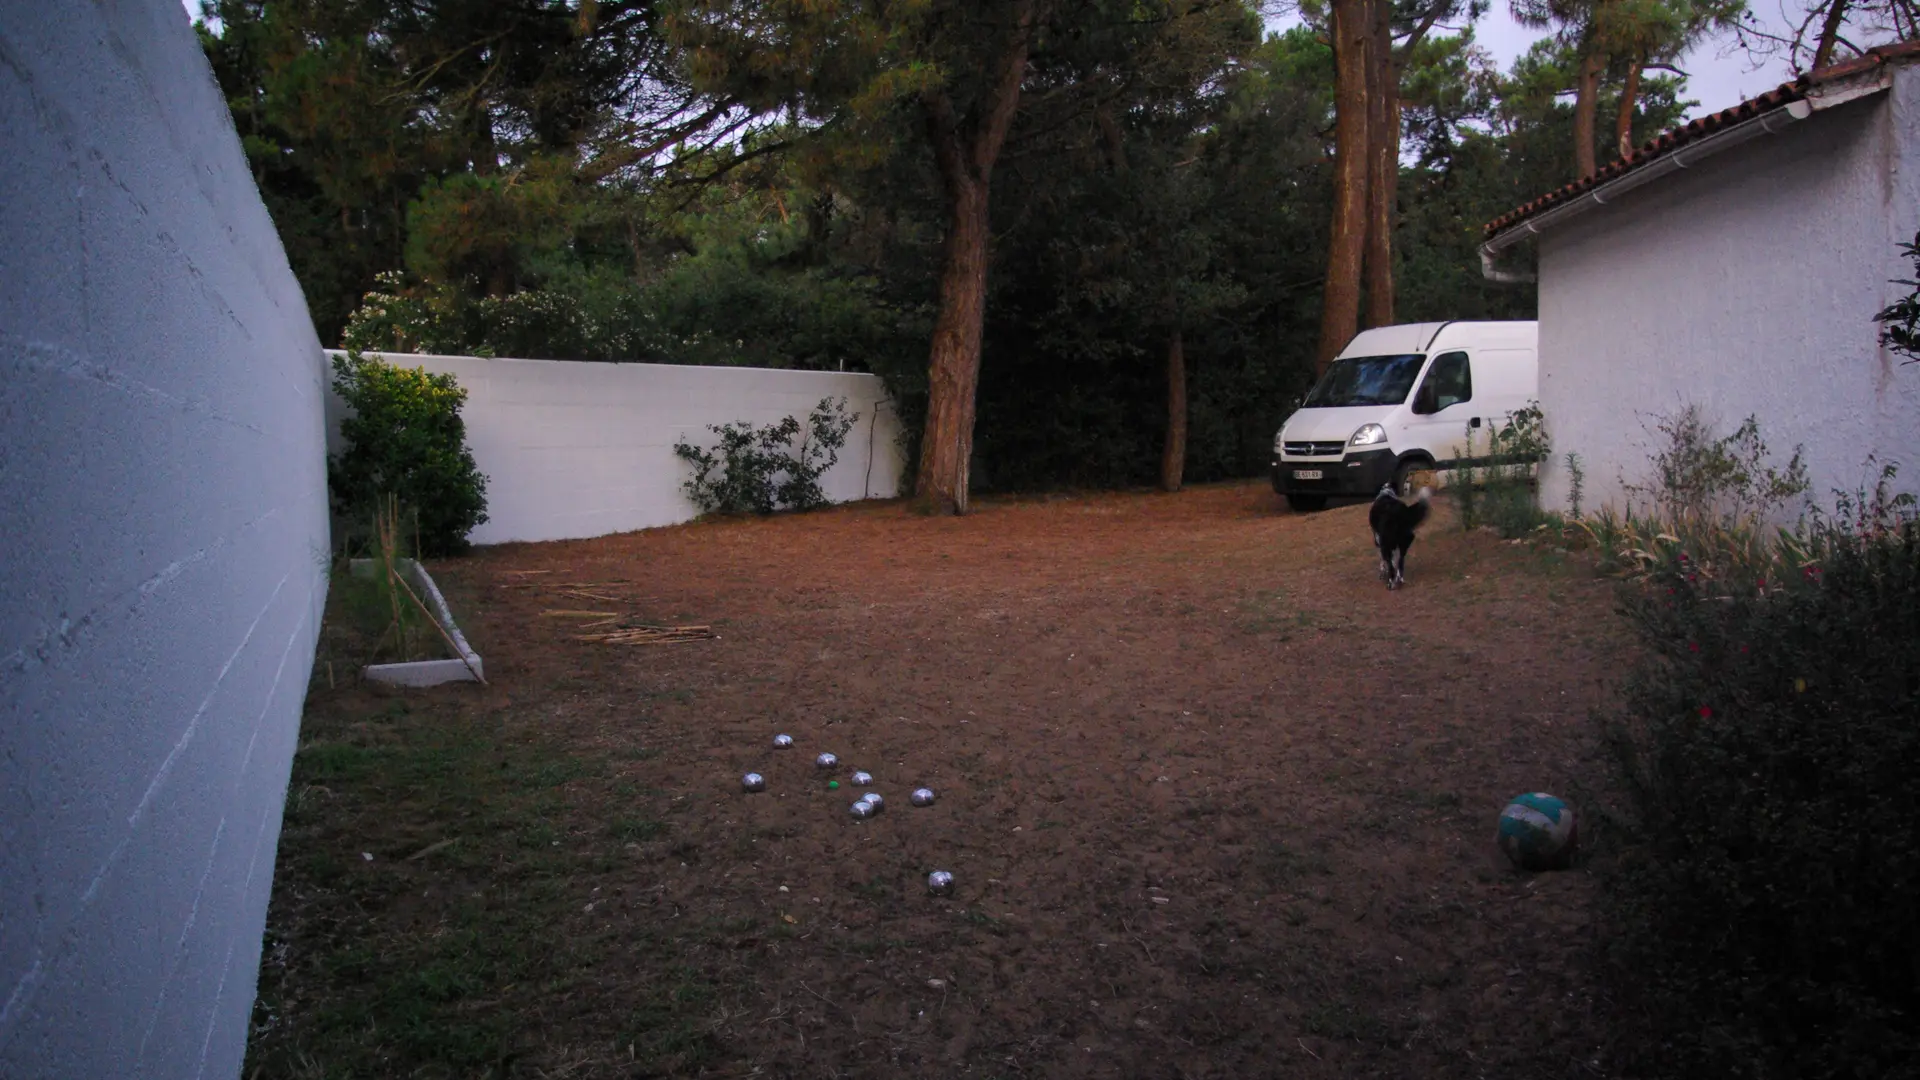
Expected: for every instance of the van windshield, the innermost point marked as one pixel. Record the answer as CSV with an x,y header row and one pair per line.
x,y
1366,380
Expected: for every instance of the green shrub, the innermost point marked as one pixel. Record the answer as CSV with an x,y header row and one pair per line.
x,y
760,470
405,438
1699,473
1495,486
1900,320
1766,915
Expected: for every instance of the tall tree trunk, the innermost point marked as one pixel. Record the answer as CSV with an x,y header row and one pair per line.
x,y
1586,106
1383,164
1829,34
1346,245
1623,120
1173,455
965,152
953,369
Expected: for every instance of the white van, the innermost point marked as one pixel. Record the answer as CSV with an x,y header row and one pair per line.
x,y
1402,398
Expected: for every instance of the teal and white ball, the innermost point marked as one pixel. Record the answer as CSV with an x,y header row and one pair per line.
x,y
1538,832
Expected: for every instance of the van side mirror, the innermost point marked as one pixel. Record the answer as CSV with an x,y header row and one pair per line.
x,y
1426,399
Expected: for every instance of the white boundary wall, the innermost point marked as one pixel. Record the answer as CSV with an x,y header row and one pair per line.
x,y
573,449
163,539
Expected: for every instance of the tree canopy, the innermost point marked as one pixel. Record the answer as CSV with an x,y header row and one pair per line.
x,y
1086,242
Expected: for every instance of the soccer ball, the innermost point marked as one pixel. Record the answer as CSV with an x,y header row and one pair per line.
x,y
1538,832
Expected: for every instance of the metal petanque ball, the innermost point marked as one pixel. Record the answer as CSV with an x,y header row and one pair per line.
x,y
781,742
864,809
940,883
873,799
862,779
921,797
826,761
753,781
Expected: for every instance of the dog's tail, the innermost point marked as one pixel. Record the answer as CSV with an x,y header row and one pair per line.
x,y
1420,505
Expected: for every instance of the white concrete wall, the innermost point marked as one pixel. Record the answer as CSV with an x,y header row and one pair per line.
x,y
1747,285
162,535
575,449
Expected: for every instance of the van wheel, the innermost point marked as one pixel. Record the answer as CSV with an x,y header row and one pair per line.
x,y
1306,504
1412,474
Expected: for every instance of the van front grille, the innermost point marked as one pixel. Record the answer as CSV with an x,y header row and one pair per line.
x,y
1313,449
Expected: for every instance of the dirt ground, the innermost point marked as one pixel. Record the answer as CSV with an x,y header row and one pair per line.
x,y
1217,803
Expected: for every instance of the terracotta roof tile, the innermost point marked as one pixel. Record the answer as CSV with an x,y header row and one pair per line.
x,y
1669,141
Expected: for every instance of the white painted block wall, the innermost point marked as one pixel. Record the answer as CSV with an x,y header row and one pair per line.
x,y
162,536
574,450
1746,284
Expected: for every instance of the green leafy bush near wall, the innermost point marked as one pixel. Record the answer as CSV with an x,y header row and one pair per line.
x,y
759,470
1493,478
405,438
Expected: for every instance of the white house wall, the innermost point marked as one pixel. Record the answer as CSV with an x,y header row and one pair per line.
x,y
1746,284
574,450
162,537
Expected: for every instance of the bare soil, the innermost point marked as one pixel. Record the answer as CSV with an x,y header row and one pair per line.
x,y
1217,802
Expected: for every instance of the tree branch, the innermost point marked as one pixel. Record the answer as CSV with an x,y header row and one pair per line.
x,y
1005,100
1418,35
943,131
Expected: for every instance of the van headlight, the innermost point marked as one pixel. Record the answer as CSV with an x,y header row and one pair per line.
x,y
1368,435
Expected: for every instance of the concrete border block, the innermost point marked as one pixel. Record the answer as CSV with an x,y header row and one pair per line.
x,y
425,672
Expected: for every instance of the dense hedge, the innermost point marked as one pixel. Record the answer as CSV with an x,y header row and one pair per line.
x,y
1766,916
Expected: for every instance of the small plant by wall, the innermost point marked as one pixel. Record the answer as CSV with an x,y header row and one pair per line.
x,y
761,469
1698,473
405,439
1493,478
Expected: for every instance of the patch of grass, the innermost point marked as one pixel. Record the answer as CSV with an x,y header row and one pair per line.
x,y
1282,864
1346,1022
1273,612
671,1029
636,830
978,918
424,967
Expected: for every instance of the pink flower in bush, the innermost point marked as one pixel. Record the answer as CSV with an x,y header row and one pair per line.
x,y
1706,712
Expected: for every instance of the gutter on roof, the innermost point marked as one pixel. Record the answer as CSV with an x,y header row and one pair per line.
x,y
1766,123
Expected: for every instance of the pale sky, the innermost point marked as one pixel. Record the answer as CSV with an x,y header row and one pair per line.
x,y
1722,74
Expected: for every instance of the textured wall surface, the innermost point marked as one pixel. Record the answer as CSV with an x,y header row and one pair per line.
x,y
162,540
574,450
1746,284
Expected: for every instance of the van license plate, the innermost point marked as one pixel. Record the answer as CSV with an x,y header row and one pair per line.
x,y
1306,474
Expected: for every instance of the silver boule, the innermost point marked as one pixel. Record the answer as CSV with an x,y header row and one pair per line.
x,y
940,883
753,781
826,761
862,779
781,742
864,809
873,799
921,797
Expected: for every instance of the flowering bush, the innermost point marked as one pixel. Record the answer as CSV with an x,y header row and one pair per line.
x,y
405,439
760,470
1767,914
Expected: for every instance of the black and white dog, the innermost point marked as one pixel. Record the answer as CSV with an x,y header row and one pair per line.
x,y
1393,523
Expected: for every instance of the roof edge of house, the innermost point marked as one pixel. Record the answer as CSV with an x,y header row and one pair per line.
x,y
1857,77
